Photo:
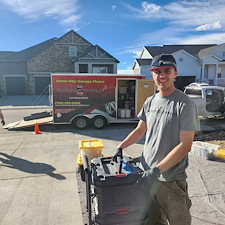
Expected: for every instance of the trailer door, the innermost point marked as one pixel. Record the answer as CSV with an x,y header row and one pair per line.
x,y
145,88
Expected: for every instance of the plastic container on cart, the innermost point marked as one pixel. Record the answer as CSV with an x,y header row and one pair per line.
x,y
91,148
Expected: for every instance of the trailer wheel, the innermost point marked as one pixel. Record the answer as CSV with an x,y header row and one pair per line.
x,y
81,122
98,122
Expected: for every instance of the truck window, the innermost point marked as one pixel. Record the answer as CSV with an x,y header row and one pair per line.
x,y
193,91
214,100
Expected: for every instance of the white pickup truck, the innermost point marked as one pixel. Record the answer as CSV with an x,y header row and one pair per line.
x,y
210,100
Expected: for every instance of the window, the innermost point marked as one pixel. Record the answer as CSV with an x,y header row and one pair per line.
x,y
192,91
219,74
83,68
100,69
181,59
73,51
223,54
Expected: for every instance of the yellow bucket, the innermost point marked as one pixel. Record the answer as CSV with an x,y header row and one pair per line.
x,y
91,148
79,160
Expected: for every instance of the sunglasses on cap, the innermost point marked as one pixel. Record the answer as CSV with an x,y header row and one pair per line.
x,y
161,63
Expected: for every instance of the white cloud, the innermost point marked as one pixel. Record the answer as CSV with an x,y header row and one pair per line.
x,y
212,26
191,14
150,7
65,11
212,38
125,71
113,7
182,20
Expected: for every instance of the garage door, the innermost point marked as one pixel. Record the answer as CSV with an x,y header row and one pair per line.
x,y
15,85
42,85
181,82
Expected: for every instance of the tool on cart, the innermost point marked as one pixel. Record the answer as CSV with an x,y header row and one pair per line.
x,y
113,194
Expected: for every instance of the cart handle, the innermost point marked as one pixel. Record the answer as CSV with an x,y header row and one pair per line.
x,y
85,163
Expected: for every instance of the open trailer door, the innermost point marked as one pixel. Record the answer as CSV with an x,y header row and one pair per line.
x,y
145,89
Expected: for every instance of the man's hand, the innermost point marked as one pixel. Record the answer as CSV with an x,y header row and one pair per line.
x,y
149,177
3,122
117,153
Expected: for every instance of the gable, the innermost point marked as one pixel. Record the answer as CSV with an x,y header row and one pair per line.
x,y
219,52
185,54
72,38
96,53
187,64
145,54
210,59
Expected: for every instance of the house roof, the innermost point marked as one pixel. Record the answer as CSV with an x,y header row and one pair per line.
x,y
170,49
204,52
28,53
144,62
5,53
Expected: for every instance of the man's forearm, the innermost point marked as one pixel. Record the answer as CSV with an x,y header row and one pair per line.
x,y
178,153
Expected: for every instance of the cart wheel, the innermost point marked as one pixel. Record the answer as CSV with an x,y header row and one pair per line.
x,y
88,196
82,173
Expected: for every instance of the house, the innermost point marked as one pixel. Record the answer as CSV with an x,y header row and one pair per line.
x,y
28,72
195,63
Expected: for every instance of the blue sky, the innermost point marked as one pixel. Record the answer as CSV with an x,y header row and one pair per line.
x,y
121,27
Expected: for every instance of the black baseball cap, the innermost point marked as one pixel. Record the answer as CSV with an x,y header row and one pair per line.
x,y
163,61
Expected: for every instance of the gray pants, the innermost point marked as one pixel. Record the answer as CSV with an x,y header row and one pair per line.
x,y
169,202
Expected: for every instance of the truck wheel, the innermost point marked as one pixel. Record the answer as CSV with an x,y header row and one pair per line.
x,y
99,122
81,122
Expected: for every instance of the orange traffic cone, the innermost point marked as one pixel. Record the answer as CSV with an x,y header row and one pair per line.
x,y
36,129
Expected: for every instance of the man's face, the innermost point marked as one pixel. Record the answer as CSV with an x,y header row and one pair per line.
x,y
164,78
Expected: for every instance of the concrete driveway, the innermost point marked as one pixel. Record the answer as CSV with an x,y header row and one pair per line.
x,y
38,182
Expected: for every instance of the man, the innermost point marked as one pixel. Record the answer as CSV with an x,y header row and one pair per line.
x,y
2,118
169,119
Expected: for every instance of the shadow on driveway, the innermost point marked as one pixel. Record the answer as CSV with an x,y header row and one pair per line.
x,y
29,167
